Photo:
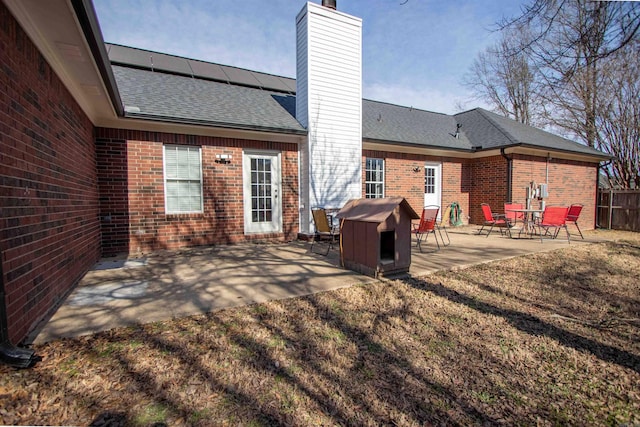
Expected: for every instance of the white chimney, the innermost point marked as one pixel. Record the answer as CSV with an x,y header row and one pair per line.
x,y
329,105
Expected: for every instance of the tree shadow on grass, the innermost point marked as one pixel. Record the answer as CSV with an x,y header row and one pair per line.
x,y
534,326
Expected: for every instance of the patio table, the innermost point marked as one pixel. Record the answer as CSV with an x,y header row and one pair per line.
x,y
528,219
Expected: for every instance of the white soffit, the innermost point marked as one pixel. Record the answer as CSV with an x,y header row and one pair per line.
x,y
53,27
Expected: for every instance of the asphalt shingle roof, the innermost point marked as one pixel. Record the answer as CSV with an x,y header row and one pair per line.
x,y
191,100
487,130
406,125
197,99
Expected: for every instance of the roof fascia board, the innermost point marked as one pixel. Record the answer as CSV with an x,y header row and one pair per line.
x,y
86,16
415,149
193,122
556,154
520,149
201,130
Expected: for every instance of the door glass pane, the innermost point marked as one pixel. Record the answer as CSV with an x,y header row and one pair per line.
x,y
429,180
261,190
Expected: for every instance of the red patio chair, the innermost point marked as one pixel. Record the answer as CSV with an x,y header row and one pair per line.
x,y
573,214
427,225
493,220
554,217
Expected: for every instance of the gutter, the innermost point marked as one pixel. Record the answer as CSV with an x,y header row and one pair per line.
x,y
418,145
542,149
209,123
509,173
10,354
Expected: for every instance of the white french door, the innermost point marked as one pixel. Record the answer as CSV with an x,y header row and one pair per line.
x,y
262,190
432,184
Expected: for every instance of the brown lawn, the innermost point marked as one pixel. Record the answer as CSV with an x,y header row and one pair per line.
x,y
550,339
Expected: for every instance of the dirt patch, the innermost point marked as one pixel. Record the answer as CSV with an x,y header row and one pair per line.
x,y
547,339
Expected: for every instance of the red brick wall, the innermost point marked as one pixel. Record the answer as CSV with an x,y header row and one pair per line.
x,y
401,180
49,198
456,185
569,182
488,185
132,192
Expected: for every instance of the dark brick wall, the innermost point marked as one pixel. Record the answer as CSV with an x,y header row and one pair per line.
x,y
48,192
130,175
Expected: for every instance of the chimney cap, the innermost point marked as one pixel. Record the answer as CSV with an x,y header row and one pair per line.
x,y
331,4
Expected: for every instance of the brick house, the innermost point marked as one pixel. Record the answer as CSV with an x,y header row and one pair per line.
x,y
108,149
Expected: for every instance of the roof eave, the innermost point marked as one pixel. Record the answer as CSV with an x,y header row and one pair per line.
x,y
414,146
539,150
87,18
211,123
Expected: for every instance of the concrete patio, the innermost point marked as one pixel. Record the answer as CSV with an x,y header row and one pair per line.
x,y
172,284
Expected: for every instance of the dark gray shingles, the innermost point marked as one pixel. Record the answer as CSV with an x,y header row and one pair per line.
x,y
404,125
173,97
489,130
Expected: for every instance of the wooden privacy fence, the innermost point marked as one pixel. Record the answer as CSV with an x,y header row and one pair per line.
x,y
619,209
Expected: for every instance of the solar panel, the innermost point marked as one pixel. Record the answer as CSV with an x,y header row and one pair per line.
x,y
208,70
290,83
240,76
177,65
268,81
126,55
173,64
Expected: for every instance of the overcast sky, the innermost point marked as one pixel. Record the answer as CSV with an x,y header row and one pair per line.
x,y
414,54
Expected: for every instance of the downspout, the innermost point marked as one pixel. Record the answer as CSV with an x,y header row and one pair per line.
x,y
509,173
10,354
597,215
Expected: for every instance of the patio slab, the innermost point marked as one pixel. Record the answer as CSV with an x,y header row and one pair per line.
x,y
171,284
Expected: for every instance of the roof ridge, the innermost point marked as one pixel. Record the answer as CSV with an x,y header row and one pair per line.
x,y
501,129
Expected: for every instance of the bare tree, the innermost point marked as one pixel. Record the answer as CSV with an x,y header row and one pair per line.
x,y
618,123
569,39
585,53
503,77
617,23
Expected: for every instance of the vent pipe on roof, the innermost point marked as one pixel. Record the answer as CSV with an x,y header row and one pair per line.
x,y
458,126
331,4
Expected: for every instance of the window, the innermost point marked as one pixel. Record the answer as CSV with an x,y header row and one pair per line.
x,y
374,178
182,179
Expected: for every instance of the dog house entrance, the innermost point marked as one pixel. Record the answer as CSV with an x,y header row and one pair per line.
x,y
387,245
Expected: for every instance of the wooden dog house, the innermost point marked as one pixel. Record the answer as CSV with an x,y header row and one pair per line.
x,y
375,235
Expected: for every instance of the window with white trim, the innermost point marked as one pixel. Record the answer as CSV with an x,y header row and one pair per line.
x,y
374,178
182,179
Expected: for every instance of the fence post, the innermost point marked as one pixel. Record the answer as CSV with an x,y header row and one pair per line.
x,y
609,227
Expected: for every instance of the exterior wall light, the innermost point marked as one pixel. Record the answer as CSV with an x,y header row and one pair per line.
x,y
223,158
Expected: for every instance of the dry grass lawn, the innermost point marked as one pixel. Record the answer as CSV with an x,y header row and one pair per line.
x,y
550,339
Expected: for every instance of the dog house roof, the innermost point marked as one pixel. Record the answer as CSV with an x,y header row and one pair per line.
x,y
374,210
